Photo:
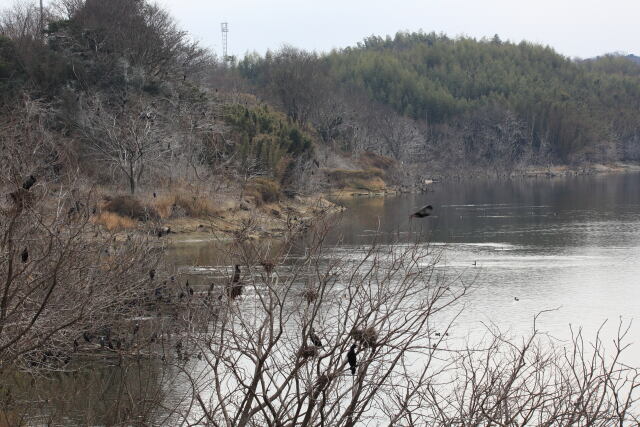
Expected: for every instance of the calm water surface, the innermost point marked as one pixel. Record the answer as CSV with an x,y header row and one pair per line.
x,y
570,244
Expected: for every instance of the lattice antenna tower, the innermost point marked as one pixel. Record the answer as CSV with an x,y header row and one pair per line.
x,y
225,35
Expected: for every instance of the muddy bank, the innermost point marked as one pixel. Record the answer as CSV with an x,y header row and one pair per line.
x,y
245,221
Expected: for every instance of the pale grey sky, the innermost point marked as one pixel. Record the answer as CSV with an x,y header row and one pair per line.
x,y
581,28
576,28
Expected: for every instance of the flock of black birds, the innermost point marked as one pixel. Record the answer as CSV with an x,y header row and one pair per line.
x,y
367,337
233,290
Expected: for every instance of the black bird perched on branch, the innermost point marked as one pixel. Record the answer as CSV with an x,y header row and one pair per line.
x,y
234,290
352,359
425,211
29,182
24,256
189,289
87,336
315,339
152,273
236,274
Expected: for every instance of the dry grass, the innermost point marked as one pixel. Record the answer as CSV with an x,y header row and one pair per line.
x,y
128,206
372,160
114,222
367,179
181,204
264,190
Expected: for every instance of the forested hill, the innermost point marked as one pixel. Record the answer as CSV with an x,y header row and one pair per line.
x,y
120,93
633,58
485,99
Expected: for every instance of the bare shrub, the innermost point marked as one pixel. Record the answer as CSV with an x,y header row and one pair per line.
x,y
61,276
114,222
369,179
128,206
192,205
264,190
385,302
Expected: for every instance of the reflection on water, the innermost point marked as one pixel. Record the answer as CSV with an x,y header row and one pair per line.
x,y
567,244
570,244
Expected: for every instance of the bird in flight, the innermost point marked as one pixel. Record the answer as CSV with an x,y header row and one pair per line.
x,y
424,212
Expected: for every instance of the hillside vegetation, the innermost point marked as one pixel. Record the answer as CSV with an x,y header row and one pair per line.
x,y
114,96
485,103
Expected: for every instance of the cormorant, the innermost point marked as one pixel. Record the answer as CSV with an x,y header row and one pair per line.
x,y
425,211
24,256
189,288
516,299
29,182
87,336
236,274
152,273
315,339
352,359
234,290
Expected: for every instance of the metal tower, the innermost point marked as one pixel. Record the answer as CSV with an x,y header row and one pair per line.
x,y
225,34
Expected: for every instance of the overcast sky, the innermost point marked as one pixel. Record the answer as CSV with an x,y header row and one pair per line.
x,y
576,28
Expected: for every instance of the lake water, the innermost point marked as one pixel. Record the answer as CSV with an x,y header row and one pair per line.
x,y
568,244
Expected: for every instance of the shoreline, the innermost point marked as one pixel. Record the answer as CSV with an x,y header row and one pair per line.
x,y
296,215
274,220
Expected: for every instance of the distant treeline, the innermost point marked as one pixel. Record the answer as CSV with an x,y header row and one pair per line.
x,y
101,72
562,110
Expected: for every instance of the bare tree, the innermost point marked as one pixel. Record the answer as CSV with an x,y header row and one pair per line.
x,y
282,358
284,355
60,273
294,77
128,139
